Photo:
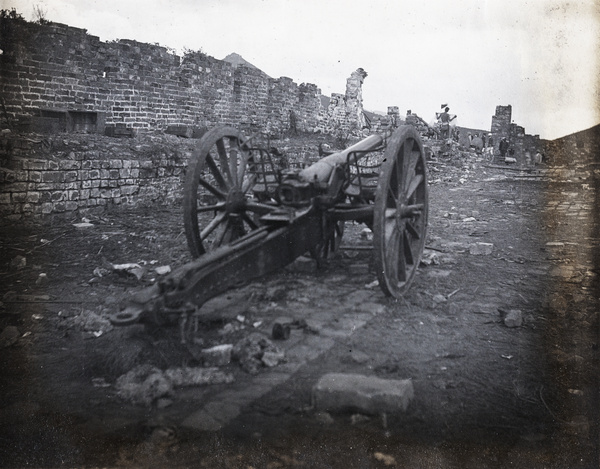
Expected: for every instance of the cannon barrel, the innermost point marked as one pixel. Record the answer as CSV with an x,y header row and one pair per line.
x,y
321,170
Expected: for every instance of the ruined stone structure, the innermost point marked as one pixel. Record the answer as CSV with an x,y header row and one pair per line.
x,y
502,126
354,101
393,113
61,174
345,113
59,78
43,174
66,94
576,151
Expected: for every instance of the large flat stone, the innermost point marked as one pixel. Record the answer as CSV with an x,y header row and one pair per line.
x,y
369,394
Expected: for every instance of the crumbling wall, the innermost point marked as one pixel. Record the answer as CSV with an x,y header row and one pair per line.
x,y
59,78
345,112
575,149
67,174
501,121
354,100
63,90
52,70
519,141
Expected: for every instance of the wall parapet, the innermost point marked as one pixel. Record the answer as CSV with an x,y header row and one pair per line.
x,y
52,68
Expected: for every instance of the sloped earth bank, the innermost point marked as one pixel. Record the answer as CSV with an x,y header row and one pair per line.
x,y
486,395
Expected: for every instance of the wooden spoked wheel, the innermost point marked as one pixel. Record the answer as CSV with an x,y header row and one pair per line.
x,y
217,200
400,214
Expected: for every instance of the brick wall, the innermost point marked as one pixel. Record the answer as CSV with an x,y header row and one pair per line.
x,y
501,122
74,174
65,94
54,71
40,175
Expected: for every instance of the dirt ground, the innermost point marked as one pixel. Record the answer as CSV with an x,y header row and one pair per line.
x,y
486,394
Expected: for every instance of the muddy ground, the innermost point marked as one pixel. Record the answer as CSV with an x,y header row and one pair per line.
x,y
486,394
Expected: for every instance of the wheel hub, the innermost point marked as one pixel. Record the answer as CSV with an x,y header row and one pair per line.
x,y
407,211
236,201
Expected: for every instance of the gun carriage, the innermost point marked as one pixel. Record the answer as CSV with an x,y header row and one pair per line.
x,y
244,217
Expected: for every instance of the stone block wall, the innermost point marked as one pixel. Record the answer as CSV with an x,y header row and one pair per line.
x,y
501,122
502,126
56,72
75,174
40,176
65,94
580,148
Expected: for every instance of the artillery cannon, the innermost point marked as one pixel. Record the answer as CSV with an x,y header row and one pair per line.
x,y
245,218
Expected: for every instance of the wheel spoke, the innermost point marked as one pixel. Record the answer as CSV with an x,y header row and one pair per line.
x,y
257,207
244,157
249,221
216,172
395,257
224,160
248,183
212,225
396,185
414,184
211,208
410,259
389,228
411,229
401,261
224,231
233,163
390,213
210,188
392,198
412,166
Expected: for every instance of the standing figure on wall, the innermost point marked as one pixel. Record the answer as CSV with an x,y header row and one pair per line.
x,y
444,120
503,147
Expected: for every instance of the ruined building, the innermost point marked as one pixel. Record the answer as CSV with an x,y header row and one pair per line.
x,y
502,126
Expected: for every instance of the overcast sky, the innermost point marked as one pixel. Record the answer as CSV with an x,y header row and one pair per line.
x,y
540,56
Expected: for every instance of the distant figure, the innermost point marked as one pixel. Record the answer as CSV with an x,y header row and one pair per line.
x,y
490,141
477,144
503,147
444,119
456,135
483,140
510,159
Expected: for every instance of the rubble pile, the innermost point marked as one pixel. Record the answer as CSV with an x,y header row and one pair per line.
x,y
145,383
